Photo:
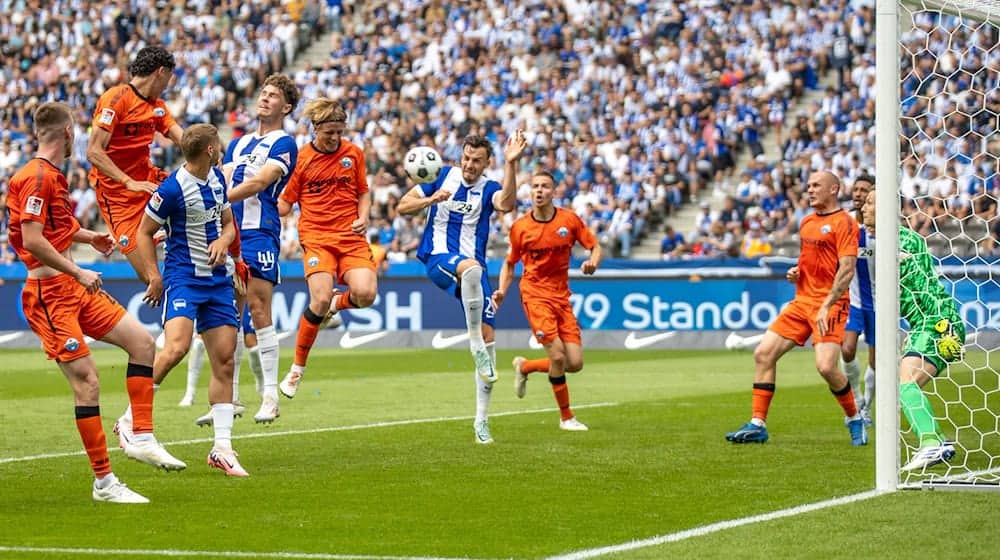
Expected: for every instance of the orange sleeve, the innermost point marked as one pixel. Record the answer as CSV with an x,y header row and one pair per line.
x,y
583,235
361,174
847,243
290,194
109,110
514,254
36,206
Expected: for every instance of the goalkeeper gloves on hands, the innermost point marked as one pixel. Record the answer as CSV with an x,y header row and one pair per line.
x,y
949,346
241,278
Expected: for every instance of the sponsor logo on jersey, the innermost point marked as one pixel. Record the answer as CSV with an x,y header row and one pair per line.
x,y
34,206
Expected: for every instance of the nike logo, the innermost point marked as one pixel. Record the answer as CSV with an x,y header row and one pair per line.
x,y
9,337
349,341
440,342
633,342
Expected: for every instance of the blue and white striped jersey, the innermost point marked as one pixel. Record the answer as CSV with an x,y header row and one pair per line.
x,y
191,211
460,224
863,283
247,155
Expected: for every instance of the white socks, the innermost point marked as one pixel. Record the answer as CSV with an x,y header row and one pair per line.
x,y
472,302
222,421
237,360
196,357
253,357
869,387
484,390
853,372
267,344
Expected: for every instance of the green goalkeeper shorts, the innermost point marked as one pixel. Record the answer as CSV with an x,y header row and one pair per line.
x,y
923,340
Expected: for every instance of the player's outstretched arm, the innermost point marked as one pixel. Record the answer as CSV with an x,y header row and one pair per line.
x,y
590,265
267,176
35,243
98,156
506,277
414,200
516,145
149,271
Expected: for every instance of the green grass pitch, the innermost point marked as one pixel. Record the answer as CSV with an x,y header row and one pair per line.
x,y
375,458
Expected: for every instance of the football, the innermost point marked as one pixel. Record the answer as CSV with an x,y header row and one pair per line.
x,y
422,164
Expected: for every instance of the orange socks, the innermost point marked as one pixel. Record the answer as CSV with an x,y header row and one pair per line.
x,y
561,392
846,399
139,382
344,301
308,329
88,422
762,395
531,366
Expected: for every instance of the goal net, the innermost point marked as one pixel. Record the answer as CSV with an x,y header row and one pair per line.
x,y
945,163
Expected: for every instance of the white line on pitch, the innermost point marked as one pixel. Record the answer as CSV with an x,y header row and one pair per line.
x,y
714,527
212,553
385,424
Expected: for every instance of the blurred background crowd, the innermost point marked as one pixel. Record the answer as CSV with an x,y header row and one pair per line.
x,y
677,130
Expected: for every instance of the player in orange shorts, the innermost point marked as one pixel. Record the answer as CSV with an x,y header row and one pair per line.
x,y
331,187
125,119
543,239
829,249
63,303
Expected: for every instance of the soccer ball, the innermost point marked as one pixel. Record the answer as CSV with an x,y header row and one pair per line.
x,y
422,164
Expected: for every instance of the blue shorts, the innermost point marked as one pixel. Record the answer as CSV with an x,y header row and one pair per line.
x,y
862,321
442,270
260,252
207,307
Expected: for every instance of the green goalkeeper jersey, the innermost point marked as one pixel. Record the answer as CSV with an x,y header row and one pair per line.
x,y
922,297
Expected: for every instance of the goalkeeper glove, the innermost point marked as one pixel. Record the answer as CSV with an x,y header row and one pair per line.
x,y
241,278
949,346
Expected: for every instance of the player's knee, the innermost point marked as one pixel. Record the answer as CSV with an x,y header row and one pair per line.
x,y
763,356
472,275
319,305
574,364
557,358
364,297
849,351
141,347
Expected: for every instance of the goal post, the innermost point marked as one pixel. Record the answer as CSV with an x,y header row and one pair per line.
x,y
945,102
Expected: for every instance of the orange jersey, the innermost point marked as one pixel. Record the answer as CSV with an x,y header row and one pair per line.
x,y
327,188
132,120
545,248
38,193
825,238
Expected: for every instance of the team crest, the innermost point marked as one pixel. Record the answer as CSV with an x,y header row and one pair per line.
x,y
562,231
71,345
180,304
346,163
540,334
313,261
124,241
159,112
825,229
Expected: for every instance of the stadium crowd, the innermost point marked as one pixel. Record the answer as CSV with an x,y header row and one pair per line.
x,y
637,108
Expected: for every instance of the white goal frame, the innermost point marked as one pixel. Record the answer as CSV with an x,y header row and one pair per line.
x,y
887,219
